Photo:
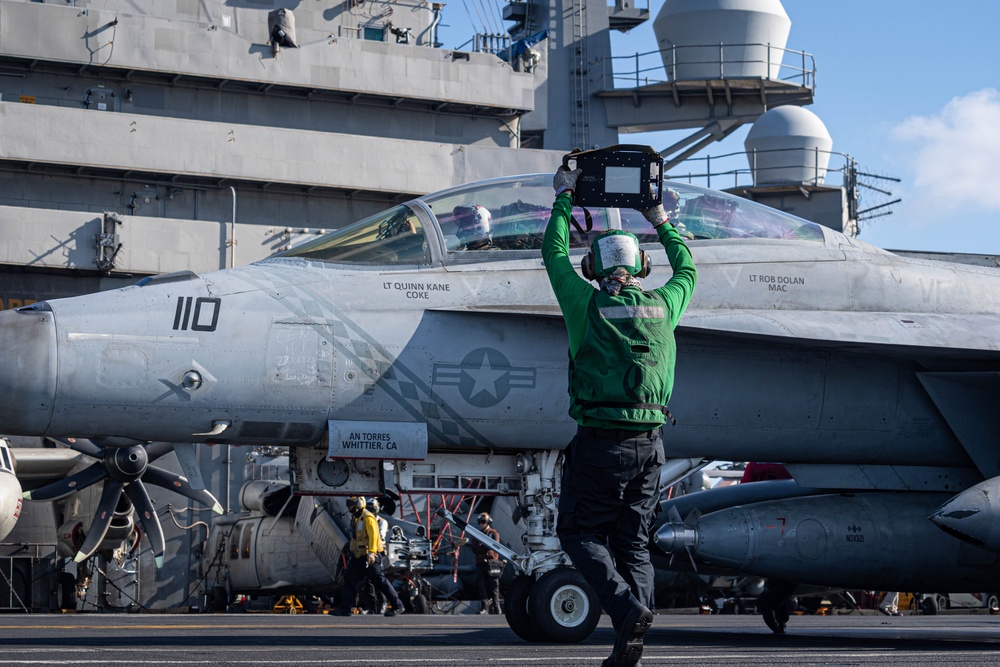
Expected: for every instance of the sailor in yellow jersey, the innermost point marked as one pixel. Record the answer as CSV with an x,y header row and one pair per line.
x,y
366,560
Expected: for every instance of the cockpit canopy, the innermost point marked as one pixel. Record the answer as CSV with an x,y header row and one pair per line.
x,y
510,214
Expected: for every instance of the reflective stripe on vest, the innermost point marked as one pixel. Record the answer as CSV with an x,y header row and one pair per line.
x,y
632,312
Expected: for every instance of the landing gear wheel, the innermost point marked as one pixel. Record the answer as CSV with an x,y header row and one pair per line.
x,y
67,592
420,605
563,606
515,608
218,599
928,606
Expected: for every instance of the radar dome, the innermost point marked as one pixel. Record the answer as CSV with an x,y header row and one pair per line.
x,y
788,145
712,39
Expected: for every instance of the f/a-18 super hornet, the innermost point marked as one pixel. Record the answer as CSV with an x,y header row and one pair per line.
x,y
420,350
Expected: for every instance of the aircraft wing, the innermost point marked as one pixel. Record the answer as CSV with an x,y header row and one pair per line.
x,y
952,331
961,333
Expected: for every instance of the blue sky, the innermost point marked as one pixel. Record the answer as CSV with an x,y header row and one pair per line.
x,y
909,88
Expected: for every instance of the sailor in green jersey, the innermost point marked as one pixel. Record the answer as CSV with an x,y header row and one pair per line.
x,y
621,374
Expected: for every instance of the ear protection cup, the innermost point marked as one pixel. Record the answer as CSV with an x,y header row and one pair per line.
x,y
647,264
587,266
590,273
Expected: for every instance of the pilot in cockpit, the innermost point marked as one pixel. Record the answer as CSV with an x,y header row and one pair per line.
x,y
473,227
710,217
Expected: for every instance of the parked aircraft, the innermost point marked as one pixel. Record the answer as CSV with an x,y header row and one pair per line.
x,y
122,468
280,543
388,354
10,491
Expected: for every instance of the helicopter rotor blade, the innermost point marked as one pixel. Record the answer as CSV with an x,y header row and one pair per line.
x,y
63,487
82,446
136,492
173,482
155,450
102,519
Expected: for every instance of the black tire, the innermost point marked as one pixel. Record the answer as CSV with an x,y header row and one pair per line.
x,y
218,599
928,606
67,592
563,606
420,604
515,608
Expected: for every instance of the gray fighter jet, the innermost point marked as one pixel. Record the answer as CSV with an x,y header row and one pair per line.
x,y
421,350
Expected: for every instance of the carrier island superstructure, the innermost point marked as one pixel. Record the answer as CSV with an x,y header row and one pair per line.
x,y
141,137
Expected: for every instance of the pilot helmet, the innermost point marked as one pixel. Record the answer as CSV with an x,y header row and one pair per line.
x,y
473,225
374,505
356,504
612,250
485,518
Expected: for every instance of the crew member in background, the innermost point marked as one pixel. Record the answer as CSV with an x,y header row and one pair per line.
x,y
890,604
773,604
374,600
488,567
366,560
622,353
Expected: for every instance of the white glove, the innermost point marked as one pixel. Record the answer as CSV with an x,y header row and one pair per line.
x,y
655,214
565,179
658,214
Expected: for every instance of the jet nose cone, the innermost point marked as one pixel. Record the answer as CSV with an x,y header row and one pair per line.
x,y
972,515
27,369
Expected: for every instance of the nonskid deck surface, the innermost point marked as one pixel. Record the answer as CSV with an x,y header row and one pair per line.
x,y
265,639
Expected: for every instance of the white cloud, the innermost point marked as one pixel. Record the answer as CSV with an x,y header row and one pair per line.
x,y
955,154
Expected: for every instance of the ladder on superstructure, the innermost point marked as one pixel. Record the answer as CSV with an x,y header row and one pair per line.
x,y
581,77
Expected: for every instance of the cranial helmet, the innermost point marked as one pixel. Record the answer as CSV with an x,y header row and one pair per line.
x,y
355,504
374,505
615,249
473,225
485,517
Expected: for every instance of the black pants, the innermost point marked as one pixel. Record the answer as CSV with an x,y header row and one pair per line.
x,y
489,587
359,571
609,495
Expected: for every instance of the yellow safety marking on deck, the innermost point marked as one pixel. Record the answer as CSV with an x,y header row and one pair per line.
x,y
201,626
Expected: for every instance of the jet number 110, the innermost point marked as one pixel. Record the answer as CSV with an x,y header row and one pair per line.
x,y
204,316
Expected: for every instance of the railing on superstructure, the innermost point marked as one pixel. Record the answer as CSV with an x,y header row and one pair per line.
x,y
489,43
644,72
723,172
